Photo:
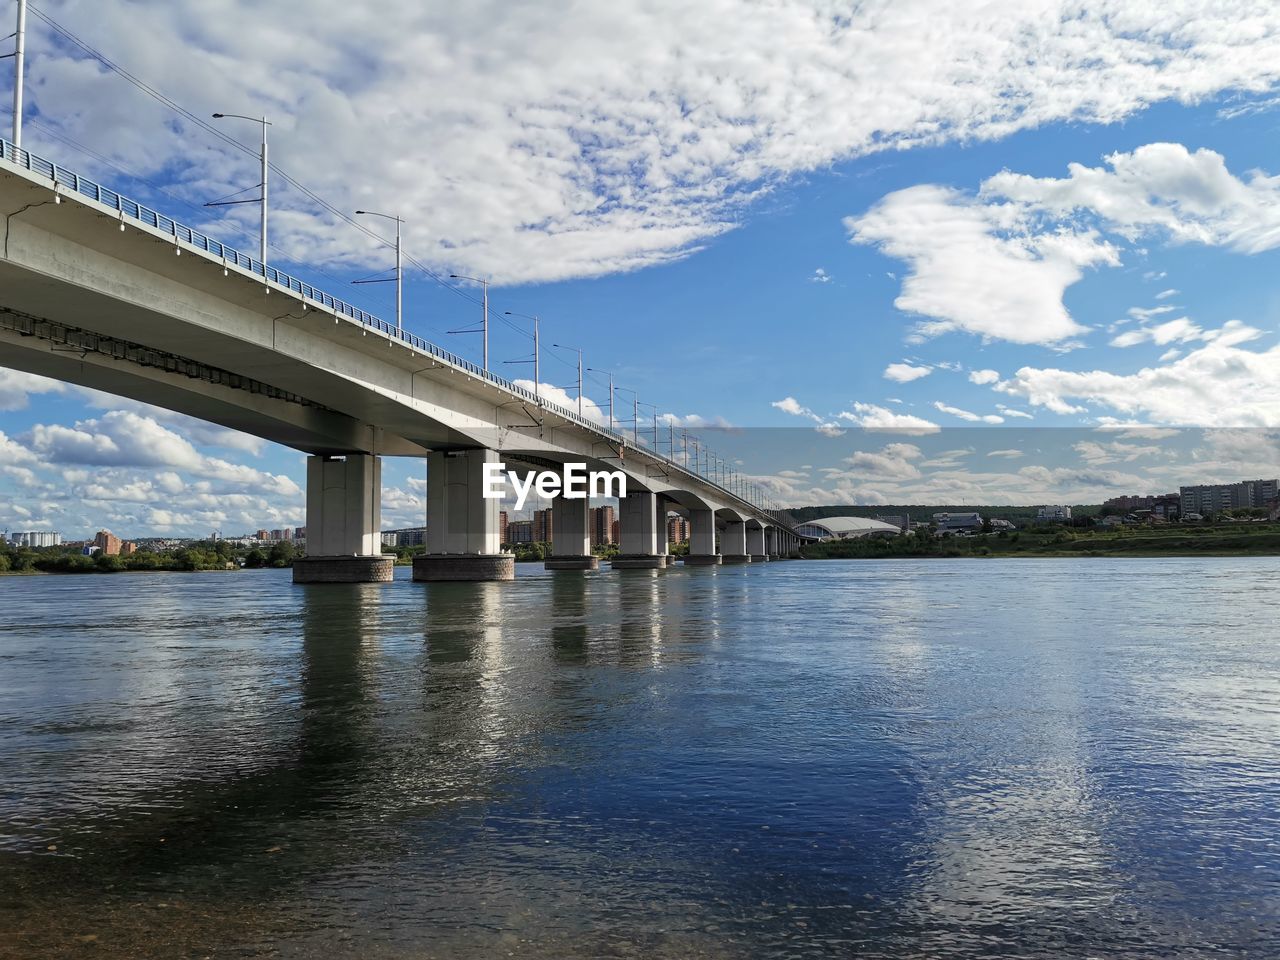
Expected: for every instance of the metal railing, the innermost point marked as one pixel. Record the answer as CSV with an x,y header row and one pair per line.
x,y
83,187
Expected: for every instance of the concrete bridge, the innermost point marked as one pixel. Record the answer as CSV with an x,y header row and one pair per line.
x,y
98,290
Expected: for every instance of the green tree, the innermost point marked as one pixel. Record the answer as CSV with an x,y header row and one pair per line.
x,y
282,554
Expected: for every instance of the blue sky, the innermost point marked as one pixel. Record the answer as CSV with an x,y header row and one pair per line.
x,y
903,242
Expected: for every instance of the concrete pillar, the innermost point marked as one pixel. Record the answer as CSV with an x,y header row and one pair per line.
x,y
755,545
462,525
733,543
571,536
638,531
344,522
771,542
702,538
661,506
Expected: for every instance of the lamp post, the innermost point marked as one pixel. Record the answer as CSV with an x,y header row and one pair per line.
x,y
610,373
399,269
579,353
537,375
19,62
262,233
485,286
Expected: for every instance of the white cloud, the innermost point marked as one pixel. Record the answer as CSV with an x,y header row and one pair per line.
x,y
1146,313
983,268
1014,412
16,388
967,415
625,135
821,276
1218,385
983,376
1005,454
905,372
562,397
1164,188
1181,330
1166,294
868,416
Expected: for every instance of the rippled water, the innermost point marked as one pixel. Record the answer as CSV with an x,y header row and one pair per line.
x,y
1049,758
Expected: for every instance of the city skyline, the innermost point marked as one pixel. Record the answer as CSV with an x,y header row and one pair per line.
x,y
875,270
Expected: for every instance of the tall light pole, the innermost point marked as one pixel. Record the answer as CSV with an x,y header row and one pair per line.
x,y
610,373
537,374
579,353
19,61
262,233
399,267
485,286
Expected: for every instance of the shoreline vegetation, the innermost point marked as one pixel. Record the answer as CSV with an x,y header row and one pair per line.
x,y
1217,540
1208,540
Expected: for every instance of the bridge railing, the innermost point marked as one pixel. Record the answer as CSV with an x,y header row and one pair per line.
x,y
229,256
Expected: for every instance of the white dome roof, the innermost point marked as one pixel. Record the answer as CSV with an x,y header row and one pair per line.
x,y
852,526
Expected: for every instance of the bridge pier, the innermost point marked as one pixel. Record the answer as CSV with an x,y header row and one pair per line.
x,y
639,534
571,536
755,545
702,538
344,521
462,525
733,543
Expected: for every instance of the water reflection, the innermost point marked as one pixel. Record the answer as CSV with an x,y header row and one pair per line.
x,y
797,759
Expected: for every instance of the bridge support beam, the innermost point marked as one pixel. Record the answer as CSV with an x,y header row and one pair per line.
x,y
638,531
344,522
462,524
733,543
702,538
755,545
571,536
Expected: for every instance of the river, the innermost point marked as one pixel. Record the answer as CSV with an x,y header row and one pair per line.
x,y
935,758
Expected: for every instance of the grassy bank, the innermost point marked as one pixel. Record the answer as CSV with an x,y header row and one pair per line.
x,y
1220,540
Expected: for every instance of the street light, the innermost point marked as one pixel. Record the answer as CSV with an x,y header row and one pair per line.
x,y
579,353
610,373
537,376
399,270
485,285
262,238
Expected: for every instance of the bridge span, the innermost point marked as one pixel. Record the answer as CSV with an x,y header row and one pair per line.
x,y
101,291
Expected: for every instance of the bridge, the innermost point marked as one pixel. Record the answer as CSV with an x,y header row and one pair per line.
x,y
99,290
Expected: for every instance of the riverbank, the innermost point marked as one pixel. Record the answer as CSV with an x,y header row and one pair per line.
x,y
1221,540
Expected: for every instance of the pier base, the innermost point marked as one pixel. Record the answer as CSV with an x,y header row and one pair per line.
x,y
702,560
639,561
571,563
460,566
343,569
759,558
736,558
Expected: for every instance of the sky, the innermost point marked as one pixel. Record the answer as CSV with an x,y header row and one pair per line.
x,y
874,253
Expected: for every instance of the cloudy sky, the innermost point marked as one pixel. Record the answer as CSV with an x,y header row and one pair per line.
x,y
919,234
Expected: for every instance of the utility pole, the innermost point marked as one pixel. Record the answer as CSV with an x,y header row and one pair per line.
x,y
262,230
537,351
484,329
19,61
399,266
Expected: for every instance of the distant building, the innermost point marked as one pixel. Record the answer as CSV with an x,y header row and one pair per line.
x,y
999,524
107,543
1216,497
952,522
903,523
503,525
390,538
846,528
299,533
36,538
677,528
602,526
128,547
520,531
410,536
542,526
262,535
1165,506
614,532
1053,514
278,535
